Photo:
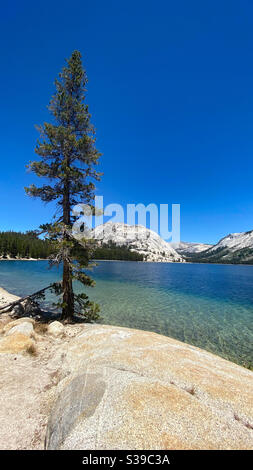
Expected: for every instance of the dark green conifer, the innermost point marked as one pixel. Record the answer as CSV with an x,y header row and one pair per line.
x,y
68,160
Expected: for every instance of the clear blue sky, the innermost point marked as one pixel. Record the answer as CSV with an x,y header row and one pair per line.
x,y
171,95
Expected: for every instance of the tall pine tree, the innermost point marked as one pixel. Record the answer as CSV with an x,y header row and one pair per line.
x,y
68,159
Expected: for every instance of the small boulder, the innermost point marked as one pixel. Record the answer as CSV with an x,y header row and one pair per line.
x,y
56,329
25,327
13,323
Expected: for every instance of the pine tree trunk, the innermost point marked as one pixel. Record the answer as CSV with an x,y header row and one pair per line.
x,y
68,299
68,296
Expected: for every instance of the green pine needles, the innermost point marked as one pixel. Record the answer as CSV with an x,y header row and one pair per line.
x,y
68,159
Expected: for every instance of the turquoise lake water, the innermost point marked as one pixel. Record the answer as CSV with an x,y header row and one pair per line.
x,y
210,306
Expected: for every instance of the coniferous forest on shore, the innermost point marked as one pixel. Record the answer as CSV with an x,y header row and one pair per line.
x,y
18,245
23,245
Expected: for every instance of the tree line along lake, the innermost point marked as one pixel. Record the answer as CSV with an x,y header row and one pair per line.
x,y
207,305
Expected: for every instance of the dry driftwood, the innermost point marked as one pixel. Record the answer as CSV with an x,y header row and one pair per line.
x,y
9,307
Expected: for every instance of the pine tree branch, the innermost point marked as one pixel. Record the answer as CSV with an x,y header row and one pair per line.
x,y
9,307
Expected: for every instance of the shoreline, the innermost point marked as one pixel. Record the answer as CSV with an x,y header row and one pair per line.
x,y
7,297
131,261
23,259
52,369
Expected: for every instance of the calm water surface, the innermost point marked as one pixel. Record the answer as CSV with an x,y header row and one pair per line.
x,y
210,306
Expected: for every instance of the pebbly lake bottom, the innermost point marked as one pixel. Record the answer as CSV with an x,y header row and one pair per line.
x,y
209,306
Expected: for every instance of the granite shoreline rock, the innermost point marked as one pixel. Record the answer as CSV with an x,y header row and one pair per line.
x,y
56,329
107,387
130,389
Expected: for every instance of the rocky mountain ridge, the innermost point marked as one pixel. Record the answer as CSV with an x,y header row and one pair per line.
x,y
234,248
187,248
139,239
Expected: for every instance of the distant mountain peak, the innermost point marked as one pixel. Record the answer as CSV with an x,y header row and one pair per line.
x,y
139,239
233,248
188,248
